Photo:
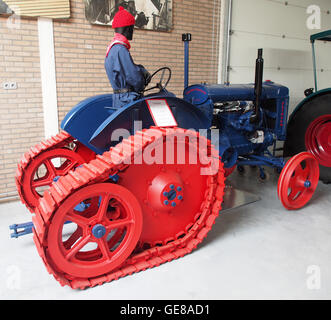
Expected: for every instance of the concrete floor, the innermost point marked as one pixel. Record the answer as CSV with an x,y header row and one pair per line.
x,y
258,251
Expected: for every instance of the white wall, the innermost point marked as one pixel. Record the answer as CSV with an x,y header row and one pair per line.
x,y
282,32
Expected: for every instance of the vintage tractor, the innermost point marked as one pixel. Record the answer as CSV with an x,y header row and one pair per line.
x,y
118,191
309,126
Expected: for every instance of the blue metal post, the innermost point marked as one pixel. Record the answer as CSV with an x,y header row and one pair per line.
x,y
186,67
186,37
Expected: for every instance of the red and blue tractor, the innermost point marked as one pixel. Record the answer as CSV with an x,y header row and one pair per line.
x,y
120,190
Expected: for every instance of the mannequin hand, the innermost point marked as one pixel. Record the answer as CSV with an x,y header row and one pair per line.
x,y
146,75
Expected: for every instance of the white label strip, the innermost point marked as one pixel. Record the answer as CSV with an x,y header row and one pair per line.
x,y
161,113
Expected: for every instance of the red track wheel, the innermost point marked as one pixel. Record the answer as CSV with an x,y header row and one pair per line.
x,y
298,181
44,169
318,139
99,238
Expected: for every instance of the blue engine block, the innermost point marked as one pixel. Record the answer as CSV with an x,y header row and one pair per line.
x,y
230,108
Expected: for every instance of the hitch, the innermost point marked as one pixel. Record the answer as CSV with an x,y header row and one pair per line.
x,y
26,229
28,226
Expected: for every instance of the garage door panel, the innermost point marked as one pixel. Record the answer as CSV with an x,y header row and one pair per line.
x,y
269,17
277,52
287,60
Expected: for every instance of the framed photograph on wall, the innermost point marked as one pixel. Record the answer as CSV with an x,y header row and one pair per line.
x,y
149,14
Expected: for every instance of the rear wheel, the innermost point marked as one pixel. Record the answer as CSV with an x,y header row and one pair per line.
x,y
310,129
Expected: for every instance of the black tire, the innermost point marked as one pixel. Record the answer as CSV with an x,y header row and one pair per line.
x,y
298,125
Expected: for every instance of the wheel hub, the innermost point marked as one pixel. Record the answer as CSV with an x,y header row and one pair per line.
x,y
98,231
307,184
166,191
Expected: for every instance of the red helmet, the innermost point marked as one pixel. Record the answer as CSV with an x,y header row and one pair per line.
x,y
123,18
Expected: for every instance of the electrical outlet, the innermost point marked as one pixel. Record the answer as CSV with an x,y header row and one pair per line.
x,y
13,85
10,85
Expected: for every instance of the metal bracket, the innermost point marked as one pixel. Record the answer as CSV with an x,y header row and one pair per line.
x,y
26,229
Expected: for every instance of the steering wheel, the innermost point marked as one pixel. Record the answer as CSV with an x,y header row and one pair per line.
x,y
159,85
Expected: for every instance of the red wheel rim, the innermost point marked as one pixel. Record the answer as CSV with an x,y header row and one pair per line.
x,y
103,237
298,180
318,139
33,185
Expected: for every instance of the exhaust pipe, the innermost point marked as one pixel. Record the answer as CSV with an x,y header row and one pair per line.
x,y
258,84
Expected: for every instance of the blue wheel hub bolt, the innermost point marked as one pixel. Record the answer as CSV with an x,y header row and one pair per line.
x,y
98,231
307,184
172,195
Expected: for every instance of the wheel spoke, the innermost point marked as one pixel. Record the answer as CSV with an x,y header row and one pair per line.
x,y
62,171
42,182
298,171
73,238
104,248
77,218
296,183
118,224
103,207
77,246
50,168
294,194
115,238
305,172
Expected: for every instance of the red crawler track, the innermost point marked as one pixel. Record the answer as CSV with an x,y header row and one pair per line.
x,y
42,154
149,251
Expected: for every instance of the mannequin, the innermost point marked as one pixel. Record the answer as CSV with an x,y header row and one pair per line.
x,y
127,31
127,79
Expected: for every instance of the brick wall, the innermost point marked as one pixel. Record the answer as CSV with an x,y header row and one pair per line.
x,y
79,56
21,116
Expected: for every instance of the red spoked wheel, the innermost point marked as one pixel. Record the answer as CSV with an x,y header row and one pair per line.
x,y
298,181
318,139
44,170
99,238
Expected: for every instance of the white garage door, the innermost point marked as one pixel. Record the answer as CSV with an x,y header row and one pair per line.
x,y
280,28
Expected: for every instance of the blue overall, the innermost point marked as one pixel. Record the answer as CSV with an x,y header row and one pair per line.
x,y
124,74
